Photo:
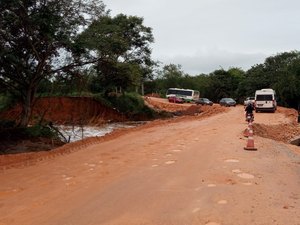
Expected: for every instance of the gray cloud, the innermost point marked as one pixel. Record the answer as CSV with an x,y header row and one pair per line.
x,y
202,35
206,62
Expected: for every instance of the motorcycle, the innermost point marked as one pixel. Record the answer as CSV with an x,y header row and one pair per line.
x,y
249,117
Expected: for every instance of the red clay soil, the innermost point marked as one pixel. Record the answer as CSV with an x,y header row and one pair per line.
x,y
64,110
284,132
58,110
280,132
68,110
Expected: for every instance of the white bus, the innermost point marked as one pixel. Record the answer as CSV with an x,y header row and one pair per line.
x,y
188,95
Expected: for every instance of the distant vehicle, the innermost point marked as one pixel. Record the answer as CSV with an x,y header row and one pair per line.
x,y
227,102
175,99
188,95
203,101
265,100
249,100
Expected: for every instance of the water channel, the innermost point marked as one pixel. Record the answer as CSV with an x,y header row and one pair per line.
x,y
76,133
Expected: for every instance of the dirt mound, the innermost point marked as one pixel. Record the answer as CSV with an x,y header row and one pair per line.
x,y
68,110
292,114
281,132
212,110
161,104
284,132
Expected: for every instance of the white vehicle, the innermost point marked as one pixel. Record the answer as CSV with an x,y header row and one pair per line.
x,y
188,95
265,100
249,100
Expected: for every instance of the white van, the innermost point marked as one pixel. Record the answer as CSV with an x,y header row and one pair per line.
x,y
265,100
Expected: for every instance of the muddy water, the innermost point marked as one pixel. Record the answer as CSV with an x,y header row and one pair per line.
x,y
76,133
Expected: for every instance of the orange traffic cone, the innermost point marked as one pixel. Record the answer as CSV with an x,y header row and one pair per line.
x,y
246,132
250,125
250,142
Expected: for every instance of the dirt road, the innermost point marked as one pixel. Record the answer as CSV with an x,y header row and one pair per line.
x,y
194,171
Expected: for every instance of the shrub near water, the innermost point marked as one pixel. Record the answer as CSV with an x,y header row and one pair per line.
x,y
13,135
132,105
6,101
39,131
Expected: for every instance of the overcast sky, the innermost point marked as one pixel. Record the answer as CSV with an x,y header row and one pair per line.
x,y
205,35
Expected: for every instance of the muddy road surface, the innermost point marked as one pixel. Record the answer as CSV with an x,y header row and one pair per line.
x,y
193,171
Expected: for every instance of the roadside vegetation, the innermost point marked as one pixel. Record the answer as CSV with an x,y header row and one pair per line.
x,y
76,48
280,72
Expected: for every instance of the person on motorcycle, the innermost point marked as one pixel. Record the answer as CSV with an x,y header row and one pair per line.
x,y
249,110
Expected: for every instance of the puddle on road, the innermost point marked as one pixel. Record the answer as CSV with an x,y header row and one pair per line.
x,y
176,150
90,164
232,160
195,210
222,202
236,171
170,162
247,183
245,175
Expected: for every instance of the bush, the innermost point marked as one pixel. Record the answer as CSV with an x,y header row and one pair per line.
x,y
5,124
6,101
102,99
17,133
39,131
132,105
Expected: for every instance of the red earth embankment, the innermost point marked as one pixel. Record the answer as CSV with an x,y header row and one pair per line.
x,y
57,110
68,110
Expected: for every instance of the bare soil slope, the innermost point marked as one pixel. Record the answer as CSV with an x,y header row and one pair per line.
x,y
68,110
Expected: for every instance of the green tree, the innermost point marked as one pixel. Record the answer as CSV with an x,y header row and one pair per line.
x,y
201,83
237,76
287,78
171,76
281,73
34,37
122,50
224,83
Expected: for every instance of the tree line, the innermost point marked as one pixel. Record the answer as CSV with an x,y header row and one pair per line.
x,y
63,47
280,72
